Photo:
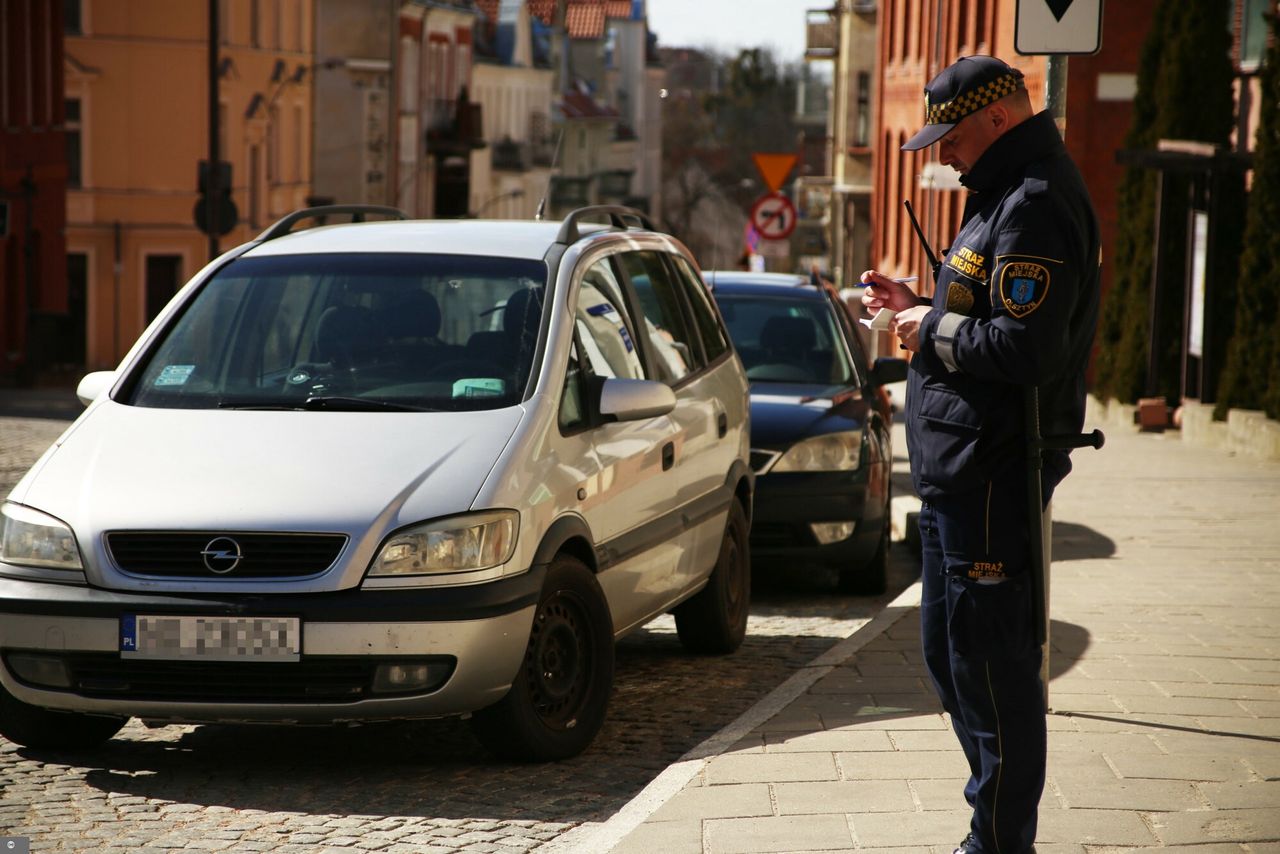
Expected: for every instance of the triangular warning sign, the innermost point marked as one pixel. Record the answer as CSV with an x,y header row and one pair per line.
x,y
774,168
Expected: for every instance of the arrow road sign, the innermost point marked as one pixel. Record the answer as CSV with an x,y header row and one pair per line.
x,y
773,216
1051,27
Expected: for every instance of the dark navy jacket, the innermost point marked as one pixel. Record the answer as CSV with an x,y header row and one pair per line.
x,y
1016,303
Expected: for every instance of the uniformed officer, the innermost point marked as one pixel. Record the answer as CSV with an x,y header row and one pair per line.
x,y
1015,303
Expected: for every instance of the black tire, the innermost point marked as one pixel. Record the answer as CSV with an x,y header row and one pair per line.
x,y
32,726
557,702
871,578
715,619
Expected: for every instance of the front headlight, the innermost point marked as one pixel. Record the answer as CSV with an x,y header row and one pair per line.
x,y
832,452
31,538
457,544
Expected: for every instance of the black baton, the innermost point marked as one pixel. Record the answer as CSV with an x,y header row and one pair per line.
x,y
1036,446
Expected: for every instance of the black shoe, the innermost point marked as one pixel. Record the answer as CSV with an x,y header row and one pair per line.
x,y
969,845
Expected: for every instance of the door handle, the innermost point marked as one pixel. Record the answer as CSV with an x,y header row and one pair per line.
x,y
722,425
668,455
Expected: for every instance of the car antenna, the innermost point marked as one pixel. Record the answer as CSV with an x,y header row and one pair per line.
x,y
555,158
934,263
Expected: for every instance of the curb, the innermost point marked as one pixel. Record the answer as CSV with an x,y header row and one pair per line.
x,y
597,838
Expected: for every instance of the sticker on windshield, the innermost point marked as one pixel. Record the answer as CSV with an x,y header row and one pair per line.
x,y
174,375
479,387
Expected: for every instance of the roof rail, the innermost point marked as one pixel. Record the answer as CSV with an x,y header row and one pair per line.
x,y
617,214
358,212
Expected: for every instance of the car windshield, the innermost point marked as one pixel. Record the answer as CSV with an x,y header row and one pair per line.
x,y
362,331
787,340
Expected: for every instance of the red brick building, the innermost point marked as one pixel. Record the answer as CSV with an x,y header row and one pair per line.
x,y
33,192
917,39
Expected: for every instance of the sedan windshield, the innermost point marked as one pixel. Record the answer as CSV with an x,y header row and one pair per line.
x,y
360,332
787,340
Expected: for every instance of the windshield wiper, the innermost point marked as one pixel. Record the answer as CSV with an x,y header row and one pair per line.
x,y
338,403
262,407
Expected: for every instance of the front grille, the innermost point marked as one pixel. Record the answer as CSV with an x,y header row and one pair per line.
x,y
311,680
777,535
170,554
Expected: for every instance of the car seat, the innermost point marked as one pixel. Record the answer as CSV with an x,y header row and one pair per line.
x,y
344,336
512,345
787,339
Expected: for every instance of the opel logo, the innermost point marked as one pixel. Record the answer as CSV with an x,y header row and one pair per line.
x,y
222,555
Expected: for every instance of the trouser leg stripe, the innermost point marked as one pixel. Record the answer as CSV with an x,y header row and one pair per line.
x,y
995,801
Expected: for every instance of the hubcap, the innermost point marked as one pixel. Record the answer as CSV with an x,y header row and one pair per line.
x,y
558,663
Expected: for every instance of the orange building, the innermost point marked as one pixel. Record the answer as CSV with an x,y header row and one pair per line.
x,y
917,39
137,83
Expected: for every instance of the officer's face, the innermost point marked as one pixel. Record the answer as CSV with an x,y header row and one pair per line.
x,y
964,143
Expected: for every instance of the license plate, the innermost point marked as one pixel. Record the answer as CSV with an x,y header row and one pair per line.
x,y
211,638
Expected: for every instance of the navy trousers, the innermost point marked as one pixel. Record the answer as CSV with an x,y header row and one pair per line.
x,y
980,649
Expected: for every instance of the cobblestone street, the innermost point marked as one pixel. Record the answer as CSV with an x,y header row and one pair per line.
x,y
420,787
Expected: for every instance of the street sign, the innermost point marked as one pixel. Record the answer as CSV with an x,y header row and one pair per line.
x,y
1051,27
773,217
774,168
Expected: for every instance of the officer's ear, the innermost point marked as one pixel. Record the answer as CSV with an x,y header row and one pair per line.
x,y
997,117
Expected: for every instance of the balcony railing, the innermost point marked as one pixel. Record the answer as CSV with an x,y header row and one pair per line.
x,y
454,125
822,38
510,156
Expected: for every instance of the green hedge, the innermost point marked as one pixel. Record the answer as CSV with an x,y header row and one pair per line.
x,y
1251,379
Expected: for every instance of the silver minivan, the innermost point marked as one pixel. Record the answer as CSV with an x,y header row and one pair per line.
x,y
382,470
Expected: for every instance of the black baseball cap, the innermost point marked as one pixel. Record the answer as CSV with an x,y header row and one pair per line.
x,y
963,87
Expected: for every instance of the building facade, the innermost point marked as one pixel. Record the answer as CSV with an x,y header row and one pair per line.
x,y
136,78
438,124
38,313
846,35
513,84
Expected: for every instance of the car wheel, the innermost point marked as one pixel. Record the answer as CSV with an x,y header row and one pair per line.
x,y
871,578
557,702
32,726
715,620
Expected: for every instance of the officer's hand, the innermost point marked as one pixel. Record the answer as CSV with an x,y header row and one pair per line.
x,y
906,325
883,292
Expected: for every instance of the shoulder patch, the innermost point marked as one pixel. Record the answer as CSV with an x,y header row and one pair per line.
x,y
1023,286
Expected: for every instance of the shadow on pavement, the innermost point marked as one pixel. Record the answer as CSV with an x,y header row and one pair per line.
x,y
665,702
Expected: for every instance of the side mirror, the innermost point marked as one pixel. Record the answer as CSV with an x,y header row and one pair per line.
x,y
632,400
94,385
888,370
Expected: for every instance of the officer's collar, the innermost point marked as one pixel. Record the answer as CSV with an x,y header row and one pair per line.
x,y
1027,141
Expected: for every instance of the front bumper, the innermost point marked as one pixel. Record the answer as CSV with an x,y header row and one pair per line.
x,y
479,631
787,503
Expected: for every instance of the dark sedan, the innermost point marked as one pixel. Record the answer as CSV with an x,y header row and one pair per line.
x,y
820,426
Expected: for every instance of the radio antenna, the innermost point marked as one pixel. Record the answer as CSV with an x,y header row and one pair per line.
x,y
555,159
934,263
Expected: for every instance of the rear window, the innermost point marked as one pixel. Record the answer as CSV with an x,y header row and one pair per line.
x,y
352,331
787,340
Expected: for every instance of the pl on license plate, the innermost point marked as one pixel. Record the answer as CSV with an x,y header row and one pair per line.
x,y
211,638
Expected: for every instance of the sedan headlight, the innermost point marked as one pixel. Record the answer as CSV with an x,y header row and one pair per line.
x,y
832,452
457,544
31,538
